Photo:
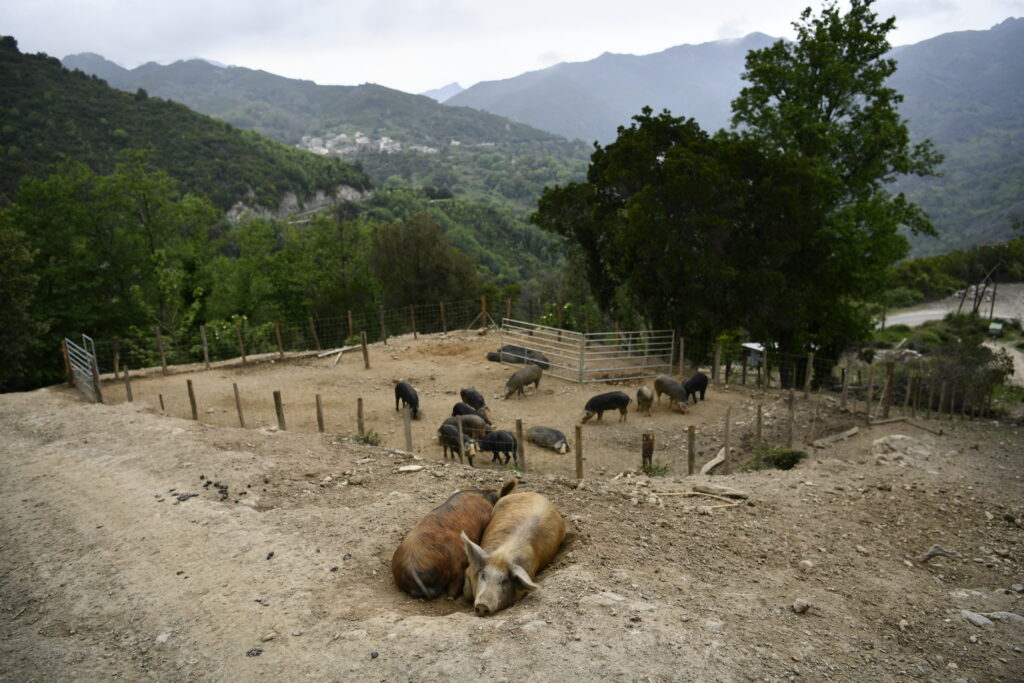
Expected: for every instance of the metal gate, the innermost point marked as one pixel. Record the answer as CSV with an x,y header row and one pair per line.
x,y
84,371
590,357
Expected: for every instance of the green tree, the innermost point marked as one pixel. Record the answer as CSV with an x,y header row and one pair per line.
x,y
416,264
824,99
19,333
695,232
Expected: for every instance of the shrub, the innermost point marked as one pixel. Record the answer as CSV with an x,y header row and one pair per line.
x,y
370,438
774,457
657,469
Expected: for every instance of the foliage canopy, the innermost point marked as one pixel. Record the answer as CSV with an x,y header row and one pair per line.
x,y
781,228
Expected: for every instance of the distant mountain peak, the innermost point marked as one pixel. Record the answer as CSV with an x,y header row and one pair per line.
x,y
443,93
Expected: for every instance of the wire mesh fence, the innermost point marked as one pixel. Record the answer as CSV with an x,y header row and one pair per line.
x,y
900,381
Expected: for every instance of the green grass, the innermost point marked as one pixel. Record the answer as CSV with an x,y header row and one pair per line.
x,y
657,469
370,438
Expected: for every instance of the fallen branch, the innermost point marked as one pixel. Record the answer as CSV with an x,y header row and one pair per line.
x,y
714,462
906,420
324,354
697,493
337,358
828,440
936,550
719,491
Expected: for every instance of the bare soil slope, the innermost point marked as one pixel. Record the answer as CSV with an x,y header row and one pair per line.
x,y
278,567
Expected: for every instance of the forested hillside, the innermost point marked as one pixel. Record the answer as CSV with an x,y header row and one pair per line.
x,y
965,91
50,113
400,138
113,221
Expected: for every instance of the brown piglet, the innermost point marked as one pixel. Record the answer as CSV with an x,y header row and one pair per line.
x,y
525,533
430,562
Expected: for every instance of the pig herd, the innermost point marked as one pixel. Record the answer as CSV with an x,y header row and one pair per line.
x,y
484,544
477,433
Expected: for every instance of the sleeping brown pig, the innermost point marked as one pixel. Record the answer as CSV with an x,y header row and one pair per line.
x,y
525,532
429,562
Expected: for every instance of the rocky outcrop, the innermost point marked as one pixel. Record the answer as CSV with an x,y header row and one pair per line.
x,y
291,206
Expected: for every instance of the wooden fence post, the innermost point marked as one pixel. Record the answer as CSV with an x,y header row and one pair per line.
x,y
520,446
579,451
277,334
462,447
760,421
647,450
764,367
808,372
192,400
359,415
691,449
727,463
412,321
351,327
814,419
890,376
160,347
792,418
366,352
383,330
952,401
715,361
312,330
127,384
910,388
870,390
508,308
67,363
682,356
942,398
241,343
407,419
846,386
238,406
319,415
444,320
117,357
206,347
279,408
483,311
162,409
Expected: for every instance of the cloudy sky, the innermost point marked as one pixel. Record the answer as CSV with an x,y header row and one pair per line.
x,y
415,45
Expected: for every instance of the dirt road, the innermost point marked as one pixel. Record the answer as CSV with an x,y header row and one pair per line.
x,y
278,567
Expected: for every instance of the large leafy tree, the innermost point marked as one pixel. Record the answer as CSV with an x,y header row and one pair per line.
x,y
415,263
784,226
693,231
824,99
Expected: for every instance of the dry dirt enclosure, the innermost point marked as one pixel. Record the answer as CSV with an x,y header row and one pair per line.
x,y
110,567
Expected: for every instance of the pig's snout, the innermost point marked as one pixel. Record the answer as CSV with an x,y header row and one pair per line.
x,y
482,610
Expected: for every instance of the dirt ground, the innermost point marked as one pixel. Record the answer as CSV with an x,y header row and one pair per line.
x,y
137,545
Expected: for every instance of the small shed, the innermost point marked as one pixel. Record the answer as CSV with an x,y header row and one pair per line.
x,y
995,329
753,352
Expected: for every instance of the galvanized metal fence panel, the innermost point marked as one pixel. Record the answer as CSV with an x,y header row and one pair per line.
x,y
84,373
594,356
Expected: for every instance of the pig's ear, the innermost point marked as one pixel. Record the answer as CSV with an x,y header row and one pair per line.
x,y
509,486
522,578
476,555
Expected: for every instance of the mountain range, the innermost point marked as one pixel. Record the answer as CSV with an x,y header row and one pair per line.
x,y
963,90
